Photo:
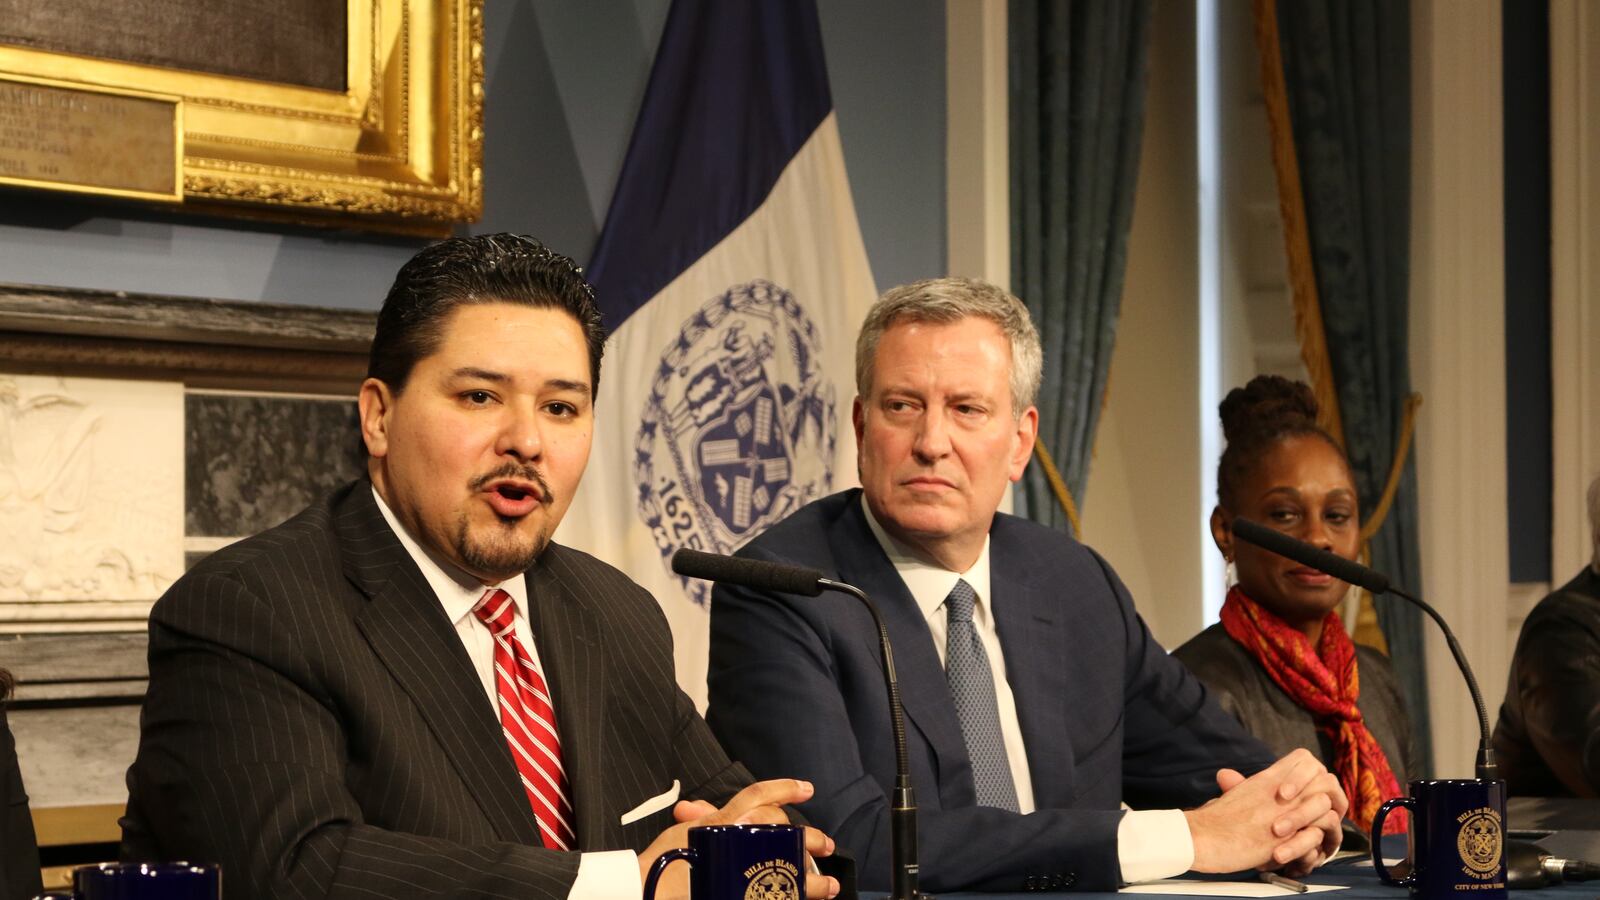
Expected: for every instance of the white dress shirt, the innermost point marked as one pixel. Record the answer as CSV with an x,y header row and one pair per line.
x,y
601,874
1152,843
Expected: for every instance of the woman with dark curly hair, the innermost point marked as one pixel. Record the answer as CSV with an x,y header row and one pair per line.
x,y
1280,659
19,855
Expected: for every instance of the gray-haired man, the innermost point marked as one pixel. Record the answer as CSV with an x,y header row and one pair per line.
x,y
1037,700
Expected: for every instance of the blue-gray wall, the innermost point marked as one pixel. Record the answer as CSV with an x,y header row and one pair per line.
x,y
564,84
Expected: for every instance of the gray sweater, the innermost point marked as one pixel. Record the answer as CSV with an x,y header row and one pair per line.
x,y
1244,688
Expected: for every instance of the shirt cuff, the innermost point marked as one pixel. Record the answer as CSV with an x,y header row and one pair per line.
x,y
1154,843
607,875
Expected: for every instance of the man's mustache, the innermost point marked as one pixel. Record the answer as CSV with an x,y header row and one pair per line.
x,y
512,470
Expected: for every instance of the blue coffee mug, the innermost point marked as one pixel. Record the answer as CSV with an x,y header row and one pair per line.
x,y
1457,846
739,862
147,881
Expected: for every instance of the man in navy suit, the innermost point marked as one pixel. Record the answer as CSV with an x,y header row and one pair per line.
x,y
1037,701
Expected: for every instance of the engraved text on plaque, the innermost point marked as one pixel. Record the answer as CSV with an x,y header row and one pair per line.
x,y
99,142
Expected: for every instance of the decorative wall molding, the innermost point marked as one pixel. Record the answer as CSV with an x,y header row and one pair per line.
x,y
1458,355
1575,281
80,662
201,342
92,407
977,142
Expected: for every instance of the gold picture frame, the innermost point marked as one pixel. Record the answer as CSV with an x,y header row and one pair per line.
x,y
400,149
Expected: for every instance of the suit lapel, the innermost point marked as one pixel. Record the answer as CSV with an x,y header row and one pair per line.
x,y
570,641
924,692
1032,633
408,631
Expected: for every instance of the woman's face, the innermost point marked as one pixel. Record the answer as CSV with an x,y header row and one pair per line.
x,y
1301,486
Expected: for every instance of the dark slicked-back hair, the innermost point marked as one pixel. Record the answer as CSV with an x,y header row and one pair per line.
x,y
6,684
489,268
1269,409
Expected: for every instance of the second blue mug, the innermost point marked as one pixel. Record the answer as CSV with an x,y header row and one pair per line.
x,y
1457,840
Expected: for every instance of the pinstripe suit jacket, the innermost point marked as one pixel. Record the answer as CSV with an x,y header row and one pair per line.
x,y
314,723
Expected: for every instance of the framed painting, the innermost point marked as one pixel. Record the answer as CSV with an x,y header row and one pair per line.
x,y
362,113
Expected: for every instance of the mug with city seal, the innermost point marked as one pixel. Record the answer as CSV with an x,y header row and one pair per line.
x,y
739,862
143,881
1457,840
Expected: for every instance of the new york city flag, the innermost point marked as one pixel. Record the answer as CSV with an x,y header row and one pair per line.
x,y
732,275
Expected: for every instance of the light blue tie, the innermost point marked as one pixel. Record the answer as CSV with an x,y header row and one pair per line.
x,y
966,667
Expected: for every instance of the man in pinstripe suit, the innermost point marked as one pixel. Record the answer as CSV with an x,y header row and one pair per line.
x,y
408,690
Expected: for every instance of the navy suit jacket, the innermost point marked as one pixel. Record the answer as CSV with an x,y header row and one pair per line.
x,y
1106,715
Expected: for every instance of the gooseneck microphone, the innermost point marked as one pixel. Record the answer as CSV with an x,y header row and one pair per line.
x,y
751,573
787,579
1355,573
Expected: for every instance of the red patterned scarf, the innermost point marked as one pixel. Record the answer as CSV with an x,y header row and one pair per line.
x,y
1323,681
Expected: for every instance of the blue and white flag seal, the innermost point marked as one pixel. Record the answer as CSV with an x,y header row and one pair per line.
x,y
739,430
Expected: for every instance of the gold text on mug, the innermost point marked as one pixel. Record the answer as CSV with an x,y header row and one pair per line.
x,y
775,879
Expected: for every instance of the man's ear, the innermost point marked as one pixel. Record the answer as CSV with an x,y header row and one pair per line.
x,y
1027,434
858,419
375,401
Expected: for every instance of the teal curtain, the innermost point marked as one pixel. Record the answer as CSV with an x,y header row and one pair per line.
x,y
1077,76
1347,67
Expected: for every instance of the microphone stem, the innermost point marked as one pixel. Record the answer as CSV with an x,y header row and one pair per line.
x,y
1487,768
903,804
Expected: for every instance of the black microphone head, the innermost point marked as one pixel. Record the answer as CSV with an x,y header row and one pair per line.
x,y
1361,576
750,573
1307,555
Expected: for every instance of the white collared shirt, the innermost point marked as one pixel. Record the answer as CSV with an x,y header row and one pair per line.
x,y
1152,843
601,874
929,586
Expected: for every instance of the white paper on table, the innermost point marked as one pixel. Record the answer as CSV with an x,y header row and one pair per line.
x,y
1194,887
1387,862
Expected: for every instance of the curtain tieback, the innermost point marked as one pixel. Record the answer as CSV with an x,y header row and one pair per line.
x,y
1408,424
1058,486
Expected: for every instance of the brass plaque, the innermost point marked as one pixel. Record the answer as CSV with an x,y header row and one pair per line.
x,y
90,141
378,126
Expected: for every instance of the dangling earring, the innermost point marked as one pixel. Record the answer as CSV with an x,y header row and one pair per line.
x,y
1230,573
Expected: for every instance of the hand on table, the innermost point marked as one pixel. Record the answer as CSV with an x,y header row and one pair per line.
x,y
1285,817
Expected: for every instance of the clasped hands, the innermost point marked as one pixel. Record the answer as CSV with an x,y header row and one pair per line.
x,y
759,804
1286,817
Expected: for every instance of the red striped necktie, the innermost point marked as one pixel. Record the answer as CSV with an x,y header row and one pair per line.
x,y
529,722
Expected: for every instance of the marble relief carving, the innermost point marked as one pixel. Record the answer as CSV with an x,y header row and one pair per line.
x,y
255,460
159,473
91,475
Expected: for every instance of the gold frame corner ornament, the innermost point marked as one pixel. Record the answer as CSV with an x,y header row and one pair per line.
x,y
400,149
